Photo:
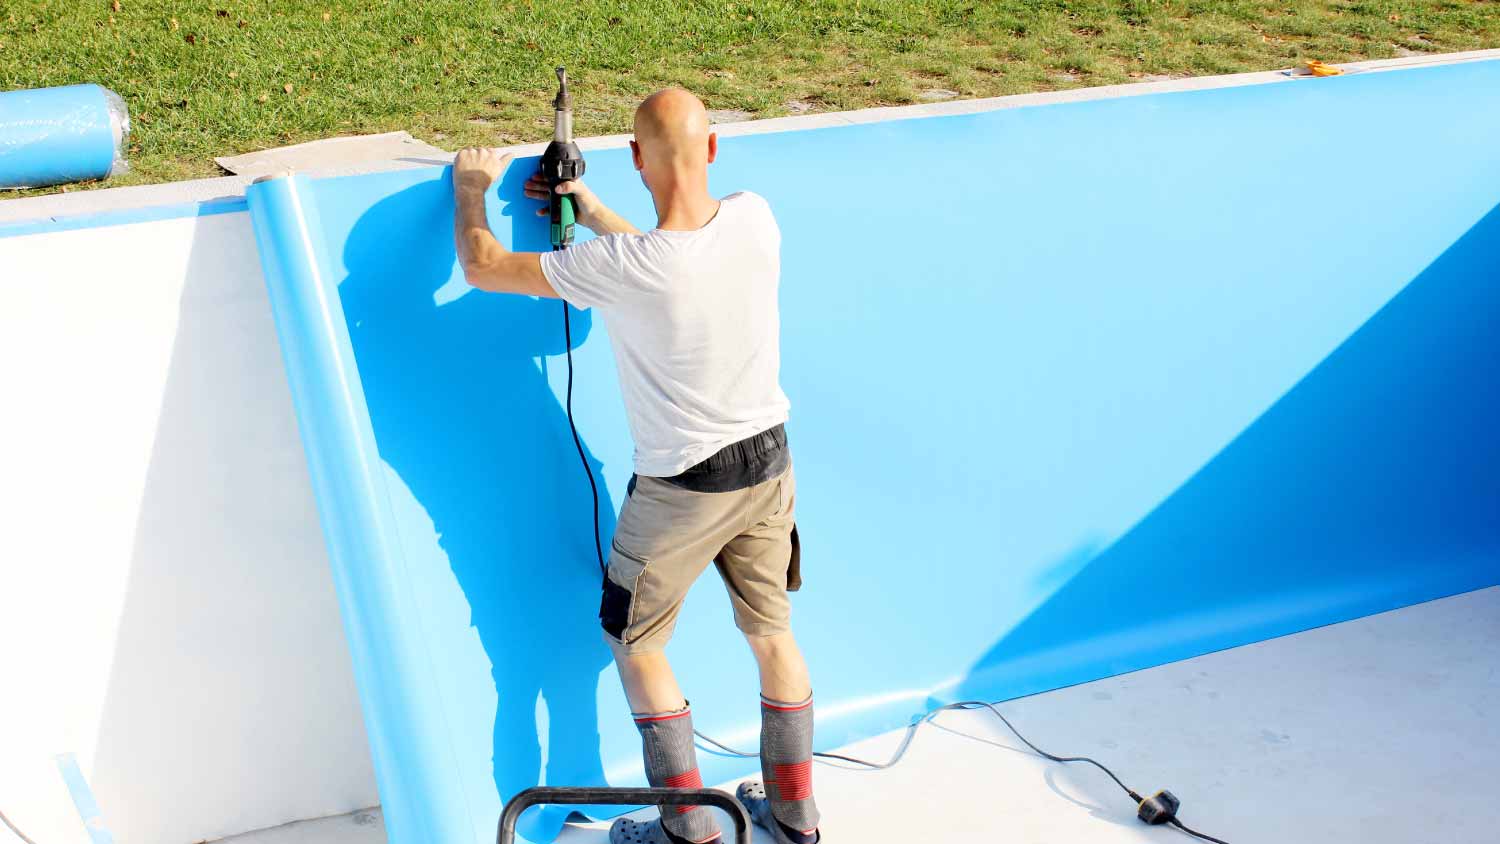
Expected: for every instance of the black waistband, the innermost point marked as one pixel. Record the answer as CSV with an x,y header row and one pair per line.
x,y
739,465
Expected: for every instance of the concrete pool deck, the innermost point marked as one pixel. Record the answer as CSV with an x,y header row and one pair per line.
x,y
1274,741
232,188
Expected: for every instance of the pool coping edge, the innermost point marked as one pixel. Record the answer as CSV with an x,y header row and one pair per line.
x,y
141,203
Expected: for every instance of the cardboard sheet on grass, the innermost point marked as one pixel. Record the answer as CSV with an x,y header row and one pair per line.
x,y
332,155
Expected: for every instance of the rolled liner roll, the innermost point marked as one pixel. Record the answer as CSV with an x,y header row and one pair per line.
x,y
52,136
381,622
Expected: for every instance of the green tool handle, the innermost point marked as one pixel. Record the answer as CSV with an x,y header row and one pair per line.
x,y
564,214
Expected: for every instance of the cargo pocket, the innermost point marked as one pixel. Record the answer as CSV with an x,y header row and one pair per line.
x,y
614,608
794,566
618,602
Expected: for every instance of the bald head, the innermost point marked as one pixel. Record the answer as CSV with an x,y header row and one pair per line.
x,y
671,127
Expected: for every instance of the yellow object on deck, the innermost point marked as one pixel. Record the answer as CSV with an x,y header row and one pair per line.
x,y
1318,68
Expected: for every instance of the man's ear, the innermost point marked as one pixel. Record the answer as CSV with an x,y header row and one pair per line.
x,y
713,146
635,155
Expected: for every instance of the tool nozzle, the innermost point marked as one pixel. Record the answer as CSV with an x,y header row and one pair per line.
x,y
564,99
562,118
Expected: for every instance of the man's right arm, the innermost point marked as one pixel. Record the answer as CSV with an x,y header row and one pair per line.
x,y
592,213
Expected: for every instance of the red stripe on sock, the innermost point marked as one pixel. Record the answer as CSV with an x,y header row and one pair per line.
x,y
794,782
669,716
688,779
781,707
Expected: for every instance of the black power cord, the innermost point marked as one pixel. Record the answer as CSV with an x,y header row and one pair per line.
x,y
1154,810
578,443
1159,808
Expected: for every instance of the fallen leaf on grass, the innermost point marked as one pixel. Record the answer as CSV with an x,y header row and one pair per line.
x,y
287,87
222,13
263,98
234,74
327,16
190,38
172,24
114,5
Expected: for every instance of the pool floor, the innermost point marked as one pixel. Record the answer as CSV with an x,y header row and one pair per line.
x,y
1274,741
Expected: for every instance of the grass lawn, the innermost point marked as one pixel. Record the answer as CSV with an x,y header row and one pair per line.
x,y
227,76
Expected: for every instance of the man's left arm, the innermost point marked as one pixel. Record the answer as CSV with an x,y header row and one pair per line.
x,y
487,264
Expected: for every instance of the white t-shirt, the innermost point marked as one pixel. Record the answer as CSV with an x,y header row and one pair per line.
x,y
696,332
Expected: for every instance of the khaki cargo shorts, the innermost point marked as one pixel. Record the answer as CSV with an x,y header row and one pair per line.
x,y
666,537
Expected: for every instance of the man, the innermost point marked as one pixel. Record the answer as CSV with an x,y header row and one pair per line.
x,y
691,308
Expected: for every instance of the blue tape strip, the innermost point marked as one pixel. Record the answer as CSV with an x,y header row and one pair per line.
x,y
83,799
123,217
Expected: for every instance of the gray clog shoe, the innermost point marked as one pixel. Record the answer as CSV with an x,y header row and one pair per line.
x,y
752,795
631,831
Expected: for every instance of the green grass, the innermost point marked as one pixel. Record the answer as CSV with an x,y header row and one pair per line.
x,y
216,78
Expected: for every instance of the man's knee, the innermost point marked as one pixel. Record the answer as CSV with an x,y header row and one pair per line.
x,y
635,658
772,646
650,685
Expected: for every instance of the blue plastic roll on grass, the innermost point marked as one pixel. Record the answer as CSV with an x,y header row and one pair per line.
x,y
52,136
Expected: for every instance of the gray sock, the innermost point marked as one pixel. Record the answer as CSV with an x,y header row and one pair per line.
x,y
786,734
672,762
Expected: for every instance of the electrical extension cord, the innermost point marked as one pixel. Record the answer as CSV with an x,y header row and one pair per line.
x,y
577,442
1159,808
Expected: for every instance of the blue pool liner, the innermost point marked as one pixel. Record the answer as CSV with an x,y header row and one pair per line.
x,y
51,136
1160,375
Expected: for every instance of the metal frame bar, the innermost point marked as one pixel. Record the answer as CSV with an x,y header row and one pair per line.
x,y
544,795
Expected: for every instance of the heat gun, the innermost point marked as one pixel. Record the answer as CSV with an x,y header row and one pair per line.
x,y
562,162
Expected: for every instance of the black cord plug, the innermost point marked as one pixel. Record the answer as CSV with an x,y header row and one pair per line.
x,y
1159,808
